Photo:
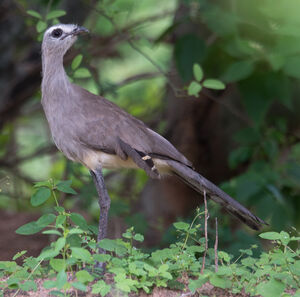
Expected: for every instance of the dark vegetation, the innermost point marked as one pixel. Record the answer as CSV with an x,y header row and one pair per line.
x,y
156,60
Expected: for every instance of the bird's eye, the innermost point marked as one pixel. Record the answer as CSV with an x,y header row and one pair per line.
x,y
57,33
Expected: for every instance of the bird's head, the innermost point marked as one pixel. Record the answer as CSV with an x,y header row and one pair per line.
x,y
59,38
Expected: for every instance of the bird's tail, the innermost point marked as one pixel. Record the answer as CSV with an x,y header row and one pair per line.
x,y
201,184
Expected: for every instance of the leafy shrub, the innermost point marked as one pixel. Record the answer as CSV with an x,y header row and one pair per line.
x,y
75,252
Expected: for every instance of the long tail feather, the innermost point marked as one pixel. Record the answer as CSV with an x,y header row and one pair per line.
x,y
200,183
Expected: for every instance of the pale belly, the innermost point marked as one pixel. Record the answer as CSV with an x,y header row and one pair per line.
x,y
93,159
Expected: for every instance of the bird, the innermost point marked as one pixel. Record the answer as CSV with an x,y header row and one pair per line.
x,y
97,133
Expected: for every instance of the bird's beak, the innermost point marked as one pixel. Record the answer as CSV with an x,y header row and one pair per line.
x,y
77,31
80,30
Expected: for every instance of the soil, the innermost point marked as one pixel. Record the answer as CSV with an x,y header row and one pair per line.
x,y
11,243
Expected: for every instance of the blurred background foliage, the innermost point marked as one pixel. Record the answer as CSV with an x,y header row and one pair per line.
x,y
140,55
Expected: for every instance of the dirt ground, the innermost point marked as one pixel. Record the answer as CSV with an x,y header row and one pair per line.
x,y
11,243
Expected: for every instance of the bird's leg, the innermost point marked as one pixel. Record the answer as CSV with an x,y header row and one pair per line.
x,y
104,203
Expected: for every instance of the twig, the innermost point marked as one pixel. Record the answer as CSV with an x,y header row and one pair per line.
x,y
137,49
151,18
232,109
216,248
179,92
206,216
132,79
51,149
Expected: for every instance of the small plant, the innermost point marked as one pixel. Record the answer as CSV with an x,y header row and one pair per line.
x,y
69,262
198,83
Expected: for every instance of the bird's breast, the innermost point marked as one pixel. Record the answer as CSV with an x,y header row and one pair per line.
x,y
96,159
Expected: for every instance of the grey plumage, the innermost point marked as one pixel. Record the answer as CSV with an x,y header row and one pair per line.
x,y
201,184
95,132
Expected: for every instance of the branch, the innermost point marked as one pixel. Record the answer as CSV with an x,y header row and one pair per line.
x,y
216,248
206,216
137,49
229,107
51,149
132,79
179,92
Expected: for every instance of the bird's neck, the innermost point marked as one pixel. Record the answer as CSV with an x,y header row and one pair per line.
x,y
54,75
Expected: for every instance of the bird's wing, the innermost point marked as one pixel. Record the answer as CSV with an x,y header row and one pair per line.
x,y
108,128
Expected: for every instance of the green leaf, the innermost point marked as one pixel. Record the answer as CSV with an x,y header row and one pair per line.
x,y
40,196
34,13
284,238
222,22
49,284
194,88
29,228
76,62
224,256
270,235
55,14
82,254
75,231
272,288
238,71
13,283
221,282
59,209
198,72
49,253
276,61
260,90
58,264
46,219
100,287
60,220
197,283
128,234
295,268
65,186
82,73
292,66
120,250
59,244
101,257
181,226
57,293
47,184
138,237
61,279
213,84
28,285
54,232
9,266
79,286
79,220
239,155
19,254
84,277
41,26
108,244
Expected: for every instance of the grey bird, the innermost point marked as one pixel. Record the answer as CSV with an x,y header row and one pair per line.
x,y
97,133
